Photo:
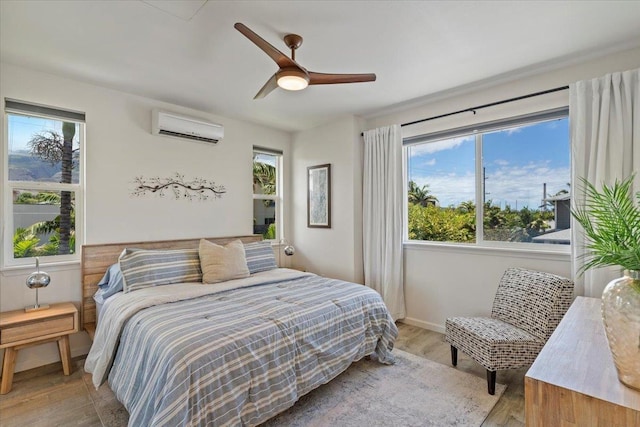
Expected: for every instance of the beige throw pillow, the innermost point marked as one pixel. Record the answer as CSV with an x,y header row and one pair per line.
x,y
220,263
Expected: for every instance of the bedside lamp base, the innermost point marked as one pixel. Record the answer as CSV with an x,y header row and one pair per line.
x,y
36,308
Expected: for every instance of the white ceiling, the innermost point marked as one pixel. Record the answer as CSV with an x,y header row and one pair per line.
x,y
190,54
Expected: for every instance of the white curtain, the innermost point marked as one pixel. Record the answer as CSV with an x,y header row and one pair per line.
x,y
605,146
383,216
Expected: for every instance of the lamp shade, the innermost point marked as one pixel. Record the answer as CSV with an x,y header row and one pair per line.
x,y
292,79
38,279
289,250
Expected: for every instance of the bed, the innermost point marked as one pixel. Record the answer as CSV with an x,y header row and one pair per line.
x,y
236,352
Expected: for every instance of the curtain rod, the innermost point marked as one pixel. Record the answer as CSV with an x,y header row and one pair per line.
x,y
479,107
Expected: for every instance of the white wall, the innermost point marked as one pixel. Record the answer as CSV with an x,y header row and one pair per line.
x,y
444,281
119,147
334,252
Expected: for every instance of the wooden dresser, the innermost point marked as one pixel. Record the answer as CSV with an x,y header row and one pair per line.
x,y
573,381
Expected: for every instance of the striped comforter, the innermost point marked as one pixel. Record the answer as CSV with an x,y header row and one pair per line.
x,y
239,355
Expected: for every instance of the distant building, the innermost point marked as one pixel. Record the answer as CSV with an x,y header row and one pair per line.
x,y
562,208
561,234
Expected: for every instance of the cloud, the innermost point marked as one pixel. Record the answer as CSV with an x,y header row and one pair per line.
x,y
510,185
553,124
501,162
433,147
450,189
431,162
518,129
524,186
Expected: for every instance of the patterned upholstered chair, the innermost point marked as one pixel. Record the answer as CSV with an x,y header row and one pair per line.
x,y
527,308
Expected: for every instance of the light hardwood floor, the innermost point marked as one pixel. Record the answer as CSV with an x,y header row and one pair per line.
x,y
43,397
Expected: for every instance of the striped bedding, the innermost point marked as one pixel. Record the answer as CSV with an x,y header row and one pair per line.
x,y
239,355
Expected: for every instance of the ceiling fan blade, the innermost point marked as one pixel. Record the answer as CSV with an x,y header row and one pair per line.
x,y
327,79
280,58
268,87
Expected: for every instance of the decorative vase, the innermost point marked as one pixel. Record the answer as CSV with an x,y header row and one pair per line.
x,y
621,315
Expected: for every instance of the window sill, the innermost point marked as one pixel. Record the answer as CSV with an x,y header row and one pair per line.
x,y
562,253
19,270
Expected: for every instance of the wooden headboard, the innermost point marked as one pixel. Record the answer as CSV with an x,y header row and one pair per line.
x,y
96,259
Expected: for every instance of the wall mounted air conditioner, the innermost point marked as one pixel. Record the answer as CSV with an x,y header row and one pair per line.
x,y
179,126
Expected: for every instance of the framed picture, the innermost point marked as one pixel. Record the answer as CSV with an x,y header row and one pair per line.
x,y
319,196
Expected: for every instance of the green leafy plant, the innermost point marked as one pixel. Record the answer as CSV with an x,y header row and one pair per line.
x,y
611,222
270,234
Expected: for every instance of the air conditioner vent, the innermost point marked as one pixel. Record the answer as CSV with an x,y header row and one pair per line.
x,y
187,136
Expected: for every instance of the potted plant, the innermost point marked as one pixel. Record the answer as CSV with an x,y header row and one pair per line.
x,y
611,221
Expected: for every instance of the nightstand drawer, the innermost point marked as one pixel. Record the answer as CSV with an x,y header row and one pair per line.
x,y
40,328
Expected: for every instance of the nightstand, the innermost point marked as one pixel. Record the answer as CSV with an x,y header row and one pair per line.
x,y
19,329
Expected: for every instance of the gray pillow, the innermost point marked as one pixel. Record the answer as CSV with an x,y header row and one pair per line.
x,y
143,268
259,256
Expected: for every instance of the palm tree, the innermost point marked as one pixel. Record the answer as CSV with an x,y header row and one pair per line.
x,y
420,195
264,176
52,147
467,207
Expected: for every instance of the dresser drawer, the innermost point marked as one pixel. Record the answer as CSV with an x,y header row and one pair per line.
x,y
40,328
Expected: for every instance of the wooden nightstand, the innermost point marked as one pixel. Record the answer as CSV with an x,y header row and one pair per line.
x,y
19,329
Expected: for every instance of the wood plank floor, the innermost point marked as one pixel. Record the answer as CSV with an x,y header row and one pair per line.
x,y
43,397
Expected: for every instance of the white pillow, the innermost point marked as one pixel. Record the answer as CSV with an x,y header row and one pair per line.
x,y
220,263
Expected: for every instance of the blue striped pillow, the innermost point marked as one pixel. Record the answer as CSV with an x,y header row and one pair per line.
x,y
259,256
144,268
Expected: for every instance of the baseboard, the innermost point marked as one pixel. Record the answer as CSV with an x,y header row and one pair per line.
x,y
424,325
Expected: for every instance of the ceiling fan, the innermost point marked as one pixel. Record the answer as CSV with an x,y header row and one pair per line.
x,y
291,75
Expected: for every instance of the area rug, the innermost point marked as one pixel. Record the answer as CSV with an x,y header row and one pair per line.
x,y
413,392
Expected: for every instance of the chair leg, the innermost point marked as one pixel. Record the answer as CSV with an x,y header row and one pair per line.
x,y
491,382
454,356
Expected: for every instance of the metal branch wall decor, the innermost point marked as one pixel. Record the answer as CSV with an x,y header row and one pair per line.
x,y
196,189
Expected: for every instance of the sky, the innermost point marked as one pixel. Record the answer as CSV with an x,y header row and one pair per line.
x,y
517,162
266,158
22,128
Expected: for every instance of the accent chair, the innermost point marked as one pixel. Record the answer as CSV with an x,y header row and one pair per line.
x,y
526,310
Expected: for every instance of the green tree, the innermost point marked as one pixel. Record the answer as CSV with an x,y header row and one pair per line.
x,y
494,217
440,224
25,243
264,177
44,197
467,207
420,195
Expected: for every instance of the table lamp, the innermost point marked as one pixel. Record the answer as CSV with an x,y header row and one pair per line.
x,y
288,250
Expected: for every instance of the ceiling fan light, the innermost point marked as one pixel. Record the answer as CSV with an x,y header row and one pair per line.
x,y
292,79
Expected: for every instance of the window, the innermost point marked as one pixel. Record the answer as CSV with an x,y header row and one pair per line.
x,y
43,183
500,182
267,193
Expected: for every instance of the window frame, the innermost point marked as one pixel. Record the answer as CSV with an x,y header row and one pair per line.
x,y
278,196
478,130
13,107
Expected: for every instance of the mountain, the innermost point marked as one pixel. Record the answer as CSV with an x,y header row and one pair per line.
x,y
25,167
